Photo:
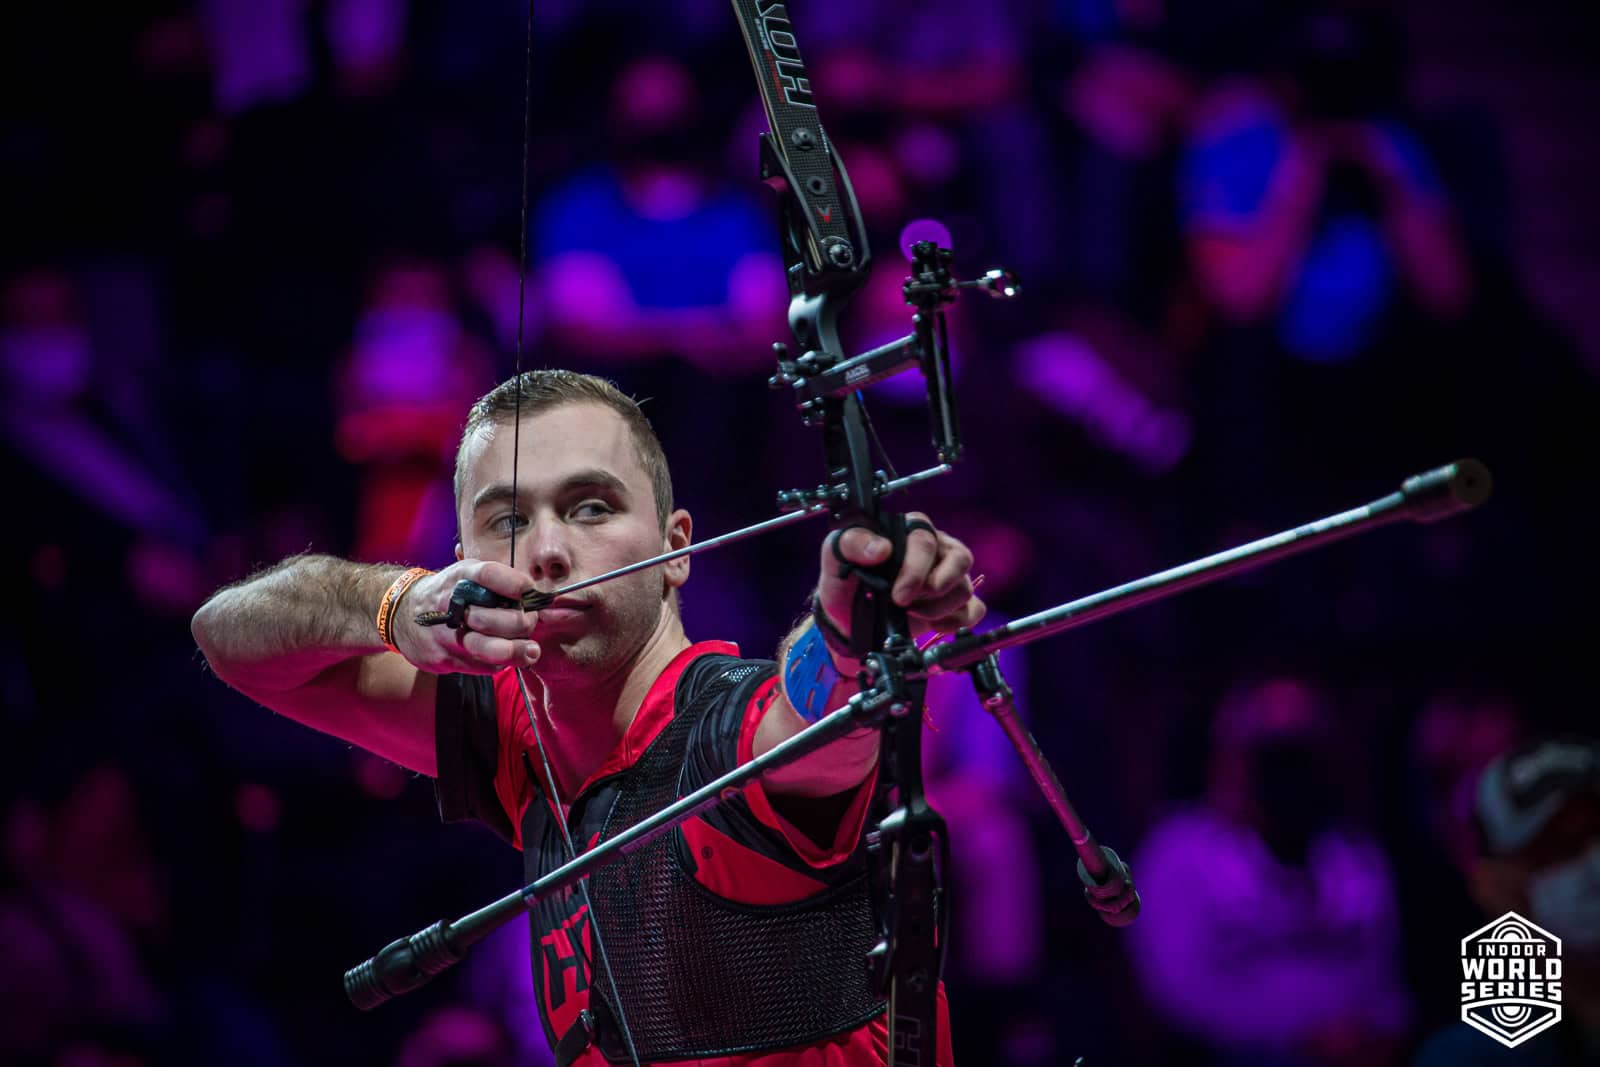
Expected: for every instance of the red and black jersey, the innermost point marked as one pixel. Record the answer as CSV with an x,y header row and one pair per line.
x,y
742,851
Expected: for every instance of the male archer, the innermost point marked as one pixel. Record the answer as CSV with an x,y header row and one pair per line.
x,y
740,938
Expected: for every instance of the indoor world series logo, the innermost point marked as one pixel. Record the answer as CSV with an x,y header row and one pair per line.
x,y
1511,979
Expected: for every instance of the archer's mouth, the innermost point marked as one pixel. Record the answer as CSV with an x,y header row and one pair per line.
x,y
564,609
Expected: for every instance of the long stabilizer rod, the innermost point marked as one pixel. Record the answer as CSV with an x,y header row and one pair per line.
x,y
1427,497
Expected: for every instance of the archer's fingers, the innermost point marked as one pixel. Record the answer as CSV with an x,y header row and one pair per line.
x,y
488,654
858,545
498,578
502,622
941,605
922,553
951,572
967,616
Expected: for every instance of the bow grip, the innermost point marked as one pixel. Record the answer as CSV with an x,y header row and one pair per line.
x,y
869,626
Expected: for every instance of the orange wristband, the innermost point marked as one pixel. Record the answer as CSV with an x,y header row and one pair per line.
x,y
391,603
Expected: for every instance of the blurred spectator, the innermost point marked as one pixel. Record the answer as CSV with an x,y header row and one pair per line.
x,y
1455,738
57,416
1269,931
946,85
262,50
1537,810
366,38
650,254
1129,99
1323,244
936,59
82,901
96,430
1128,104
1309,202
259,52
1112,380
410,373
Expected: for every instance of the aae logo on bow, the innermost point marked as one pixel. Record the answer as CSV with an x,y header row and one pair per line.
x,y
1511,979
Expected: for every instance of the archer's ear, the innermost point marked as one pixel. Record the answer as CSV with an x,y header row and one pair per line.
x,y
459,554
680,528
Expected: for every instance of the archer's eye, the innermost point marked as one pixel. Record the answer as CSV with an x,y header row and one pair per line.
x,y
508,523
592,510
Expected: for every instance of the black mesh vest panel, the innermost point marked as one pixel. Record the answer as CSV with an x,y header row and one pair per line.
x,y
702,976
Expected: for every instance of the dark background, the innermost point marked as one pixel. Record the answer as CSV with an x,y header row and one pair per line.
x,y
259,258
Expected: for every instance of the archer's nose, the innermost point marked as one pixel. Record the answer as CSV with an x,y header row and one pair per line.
x,y
549,556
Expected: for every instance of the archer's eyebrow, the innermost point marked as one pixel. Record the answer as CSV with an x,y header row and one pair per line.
x,y
595,478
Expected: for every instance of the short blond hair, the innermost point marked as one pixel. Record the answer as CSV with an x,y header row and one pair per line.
x,y
540,390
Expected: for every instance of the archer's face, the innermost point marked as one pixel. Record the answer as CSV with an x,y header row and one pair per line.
x,y
583,506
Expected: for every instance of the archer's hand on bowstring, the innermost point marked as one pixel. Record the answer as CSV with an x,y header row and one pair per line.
x,y
934,583
491,640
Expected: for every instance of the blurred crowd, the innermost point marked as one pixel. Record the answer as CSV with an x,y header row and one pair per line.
x,y
264,253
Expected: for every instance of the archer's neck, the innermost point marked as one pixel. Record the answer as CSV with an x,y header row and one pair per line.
x,y
586,715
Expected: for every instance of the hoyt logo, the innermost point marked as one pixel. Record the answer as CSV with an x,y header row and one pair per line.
x,y
1511,979
778,38
566,948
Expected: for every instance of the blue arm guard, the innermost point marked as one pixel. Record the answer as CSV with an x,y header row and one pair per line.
x,y
809,675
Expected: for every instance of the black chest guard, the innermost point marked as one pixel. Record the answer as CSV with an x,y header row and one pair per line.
x,y
701,976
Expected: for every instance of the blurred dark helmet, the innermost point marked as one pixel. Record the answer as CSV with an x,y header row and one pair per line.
x,y
1538,819
1522,792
